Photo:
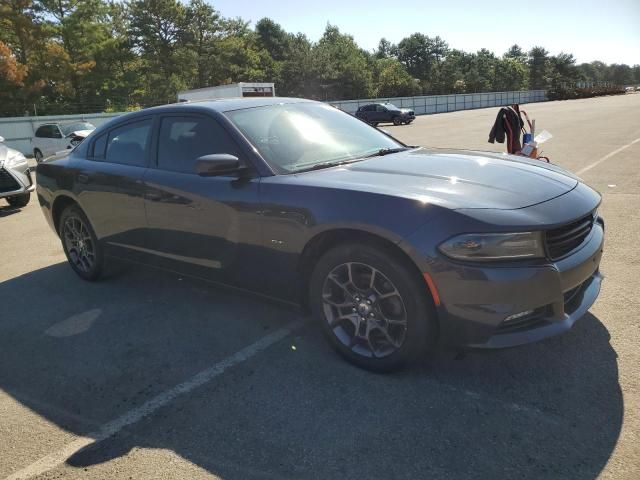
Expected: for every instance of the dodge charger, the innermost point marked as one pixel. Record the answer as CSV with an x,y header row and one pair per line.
x,y
393,248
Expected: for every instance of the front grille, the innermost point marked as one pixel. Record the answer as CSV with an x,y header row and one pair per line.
x,y
563,240
7,182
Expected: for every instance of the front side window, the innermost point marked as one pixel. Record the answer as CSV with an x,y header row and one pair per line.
x,y
185,139
296,136
128,144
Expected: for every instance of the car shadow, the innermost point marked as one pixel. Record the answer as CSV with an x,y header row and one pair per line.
x,y
82,354
7,210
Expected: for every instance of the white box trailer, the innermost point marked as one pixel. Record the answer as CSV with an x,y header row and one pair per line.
x,y
234,90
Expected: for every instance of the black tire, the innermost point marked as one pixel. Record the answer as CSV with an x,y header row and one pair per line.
x,y
418,333
87,258
38,155
397,121
19,201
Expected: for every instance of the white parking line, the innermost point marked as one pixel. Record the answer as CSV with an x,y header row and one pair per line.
x,y
606,157
56,458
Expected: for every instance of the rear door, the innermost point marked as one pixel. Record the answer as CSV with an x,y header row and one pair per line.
x,y
205,226
110,185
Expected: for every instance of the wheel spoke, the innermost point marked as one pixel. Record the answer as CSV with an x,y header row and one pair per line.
x,y
333,303
372,280
343,286
385,333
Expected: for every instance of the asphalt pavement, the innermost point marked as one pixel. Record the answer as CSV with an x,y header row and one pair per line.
x,y
147,374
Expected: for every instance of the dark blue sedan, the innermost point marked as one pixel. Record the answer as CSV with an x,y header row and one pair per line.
x,y
392,247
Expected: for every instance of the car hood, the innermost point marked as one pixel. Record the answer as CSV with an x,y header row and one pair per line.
x,y
451,178
6,152
80,133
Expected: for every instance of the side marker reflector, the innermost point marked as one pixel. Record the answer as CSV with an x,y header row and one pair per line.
x,y
432,288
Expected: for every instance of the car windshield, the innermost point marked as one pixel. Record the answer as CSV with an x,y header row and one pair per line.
x,y
391,106
297,136
74,127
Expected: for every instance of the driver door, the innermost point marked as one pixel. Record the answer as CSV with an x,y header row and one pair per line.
x,y
203,226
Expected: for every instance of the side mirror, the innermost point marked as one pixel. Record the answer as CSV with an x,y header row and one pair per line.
x,y
218,164
1,139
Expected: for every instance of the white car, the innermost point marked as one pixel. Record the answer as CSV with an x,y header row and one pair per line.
x,y
51,138
16,182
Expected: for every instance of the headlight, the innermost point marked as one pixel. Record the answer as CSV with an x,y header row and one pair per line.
x,y
494,246
17,159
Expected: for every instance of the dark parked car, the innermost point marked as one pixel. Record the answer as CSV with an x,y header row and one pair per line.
x,y
393,248
376,113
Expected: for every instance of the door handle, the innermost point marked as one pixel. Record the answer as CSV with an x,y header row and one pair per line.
x,y
83,178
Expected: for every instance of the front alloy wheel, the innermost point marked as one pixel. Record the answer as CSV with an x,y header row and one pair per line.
x,y
364,309
372,305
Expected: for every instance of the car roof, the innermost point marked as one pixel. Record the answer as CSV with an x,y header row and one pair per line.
x,y
219,105
229,104
378,103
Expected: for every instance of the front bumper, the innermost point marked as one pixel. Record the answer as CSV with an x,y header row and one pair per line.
x,y
16,180
476,300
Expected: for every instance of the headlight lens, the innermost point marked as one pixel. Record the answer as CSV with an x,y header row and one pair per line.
x,y
494,246
17,159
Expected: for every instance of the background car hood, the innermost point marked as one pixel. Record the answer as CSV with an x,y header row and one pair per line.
x,y
80,133
452,178
6,152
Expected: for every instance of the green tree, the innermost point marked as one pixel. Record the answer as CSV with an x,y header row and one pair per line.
x,y
392,80
421,56
538,68
340,67
385,49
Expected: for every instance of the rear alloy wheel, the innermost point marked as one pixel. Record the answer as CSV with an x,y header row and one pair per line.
x,y
371,307
38,155
19,201
80,244
397,121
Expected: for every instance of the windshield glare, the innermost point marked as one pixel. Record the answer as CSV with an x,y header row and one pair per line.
x,y
297,136
74,127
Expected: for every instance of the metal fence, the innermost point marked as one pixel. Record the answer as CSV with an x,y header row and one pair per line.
x,y
18,131
428,104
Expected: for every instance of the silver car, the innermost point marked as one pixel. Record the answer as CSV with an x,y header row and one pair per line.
x,y
52,138
16,183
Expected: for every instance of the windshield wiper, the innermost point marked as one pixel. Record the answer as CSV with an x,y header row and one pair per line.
x,y
386,151
321,165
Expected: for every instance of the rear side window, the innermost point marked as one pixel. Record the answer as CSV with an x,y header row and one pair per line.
x,y
48,131
184,139
99,147
128,144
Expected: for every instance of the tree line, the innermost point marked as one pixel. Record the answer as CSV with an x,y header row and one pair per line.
x,y
81,56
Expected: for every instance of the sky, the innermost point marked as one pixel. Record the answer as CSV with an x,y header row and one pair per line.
x,y
606,30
